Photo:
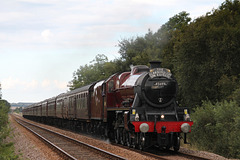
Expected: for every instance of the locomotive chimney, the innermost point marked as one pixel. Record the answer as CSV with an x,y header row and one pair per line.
x,y
155,64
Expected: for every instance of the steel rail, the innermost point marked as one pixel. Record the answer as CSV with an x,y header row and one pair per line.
x,y
192,156
165,157
48,142
69,156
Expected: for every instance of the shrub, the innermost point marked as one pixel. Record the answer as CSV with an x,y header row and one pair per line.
x,y
6,149
217,128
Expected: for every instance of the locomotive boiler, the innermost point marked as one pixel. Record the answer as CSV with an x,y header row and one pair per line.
x,y
136,108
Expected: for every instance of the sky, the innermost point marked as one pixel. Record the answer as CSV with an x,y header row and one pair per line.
x,y
42,42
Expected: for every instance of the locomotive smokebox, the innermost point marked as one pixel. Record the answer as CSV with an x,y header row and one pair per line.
x,y
155,64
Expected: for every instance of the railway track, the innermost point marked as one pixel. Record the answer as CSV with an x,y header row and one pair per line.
x,y
164,155
186,156
68,147
189,156
156,154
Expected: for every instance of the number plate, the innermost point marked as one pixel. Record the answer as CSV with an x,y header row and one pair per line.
x,y
160,72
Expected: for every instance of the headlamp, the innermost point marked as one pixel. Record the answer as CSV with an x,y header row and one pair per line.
x,y
144,127
185,127
162,117
133,111
137,117
186,116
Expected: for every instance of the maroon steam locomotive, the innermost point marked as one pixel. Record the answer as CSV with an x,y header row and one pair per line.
x,y
136,108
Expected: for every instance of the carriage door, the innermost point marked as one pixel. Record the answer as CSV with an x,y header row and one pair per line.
x,y
65,108
75,107
104,113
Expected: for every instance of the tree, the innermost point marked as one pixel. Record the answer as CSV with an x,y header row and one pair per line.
x,y
18,110
205,51
133,52
98,69
153,46
167,35
0,91
6,149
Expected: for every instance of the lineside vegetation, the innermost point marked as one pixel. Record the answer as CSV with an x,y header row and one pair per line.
x,y
6,148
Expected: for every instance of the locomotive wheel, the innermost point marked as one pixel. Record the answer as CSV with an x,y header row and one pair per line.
x,y
122,137
134,144
134,141
125,138
141,146
116,135
128,139
103,132
167,148
176,146
106,133
88,130
141,141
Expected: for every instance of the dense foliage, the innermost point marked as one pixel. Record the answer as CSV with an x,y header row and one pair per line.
x,y
217,128
0,91
204,56
6,149
207,55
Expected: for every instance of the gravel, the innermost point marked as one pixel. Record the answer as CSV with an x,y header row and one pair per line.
x,y
27,146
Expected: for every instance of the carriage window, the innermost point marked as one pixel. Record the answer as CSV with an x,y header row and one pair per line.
x,y
110,86
117,84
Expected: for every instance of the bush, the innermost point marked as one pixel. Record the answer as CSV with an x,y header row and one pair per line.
x,y
217,128
6,149
236,96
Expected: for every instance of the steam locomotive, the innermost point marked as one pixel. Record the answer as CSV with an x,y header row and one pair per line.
x,y
136,108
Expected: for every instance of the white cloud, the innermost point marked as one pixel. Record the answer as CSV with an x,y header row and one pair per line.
x,y
18,90
47,35
33,84
72,17
13,17
83,23
60,85
40,1
155,2
45,83
11,83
